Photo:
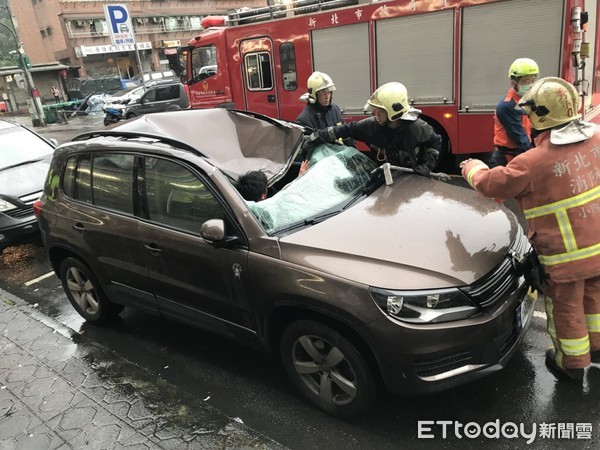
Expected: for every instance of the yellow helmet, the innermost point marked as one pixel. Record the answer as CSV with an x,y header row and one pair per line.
x,y
523,66
317,82
392,97
551,102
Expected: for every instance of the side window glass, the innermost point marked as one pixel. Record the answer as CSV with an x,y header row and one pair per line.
x,y
112,182
177,197
258,71
287,55
76,181
204,62
150,95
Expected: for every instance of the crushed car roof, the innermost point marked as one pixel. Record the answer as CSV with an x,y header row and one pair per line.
x,y
234,141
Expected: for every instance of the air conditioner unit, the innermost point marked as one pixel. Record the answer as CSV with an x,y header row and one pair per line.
x,y
79,23
157,19
141,20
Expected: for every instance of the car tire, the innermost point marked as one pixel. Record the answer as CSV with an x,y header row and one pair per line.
x,y
85,294
131,116
173,108
328,369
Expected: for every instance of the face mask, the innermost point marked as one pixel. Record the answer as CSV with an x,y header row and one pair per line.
x,y
523,89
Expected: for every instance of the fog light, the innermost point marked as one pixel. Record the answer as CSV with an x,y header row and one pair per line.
x,y
394,304
2,237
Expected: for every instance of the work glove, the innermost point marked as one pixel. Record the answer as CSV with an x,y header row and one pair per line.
x,y
423,169
315,139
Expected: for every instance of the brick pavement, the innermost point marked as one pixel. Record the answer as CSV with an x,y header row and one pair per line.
x,y
60,390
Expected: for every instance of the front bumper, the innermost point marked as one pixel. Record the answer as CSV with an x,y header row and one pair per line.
x,y
23,230
432,358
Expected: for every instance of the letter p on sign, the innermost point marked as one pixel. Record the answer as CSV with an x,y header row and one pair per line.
x,y
119,24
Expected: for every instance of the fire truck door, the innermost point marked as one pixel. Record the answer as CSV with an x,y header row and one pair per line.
x,y
258,73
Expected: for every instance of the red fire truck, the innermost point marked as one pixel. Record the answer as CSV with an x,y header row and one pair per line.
x,y
452,55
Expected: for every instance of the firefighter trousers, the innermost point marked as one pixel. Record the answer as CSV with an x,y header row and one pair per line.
x,y
573,311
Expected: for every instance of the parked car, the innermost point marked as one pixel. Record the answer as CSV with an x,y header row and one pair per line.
x,y
160,96
24,161
351,281
114,107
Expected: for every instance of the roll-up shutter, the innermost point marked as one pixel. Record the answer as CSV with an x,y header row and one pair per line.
x,y
494,35
343,54
418,52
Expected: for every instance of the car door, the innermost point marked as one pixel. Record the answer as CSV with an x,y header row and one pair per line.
x,y
260,90
192,281
99,210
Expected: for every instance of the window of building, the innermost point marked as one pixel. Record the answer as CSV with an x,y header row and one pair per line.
x,y
49,31
287,55
258,71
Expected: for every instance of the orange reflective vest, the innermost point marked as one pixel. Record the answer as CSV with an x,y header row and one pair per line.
x,y
512,128
558,189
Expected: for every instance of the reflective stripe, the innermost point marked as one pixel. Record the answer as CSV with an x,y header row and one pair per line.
x,y
566,231
550,319
473,171
567,203
593,323
575,347
559,258
572,253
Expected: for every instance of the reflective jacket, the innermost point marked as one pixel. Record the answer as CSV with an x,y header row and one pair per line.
x,y
512,128
315,117
558,189
412,143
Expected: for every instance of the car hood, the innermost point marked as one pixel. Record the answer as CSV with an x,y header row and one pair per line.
x,y
415,234
25,179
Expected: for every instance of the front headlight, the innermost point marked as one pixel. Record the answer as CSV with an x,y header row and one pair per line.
x,y
6,206
434,306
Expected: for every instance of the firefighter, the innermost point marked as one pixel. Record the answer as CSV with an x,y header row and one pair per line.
x,y
395,130
320,112
512,129
557,185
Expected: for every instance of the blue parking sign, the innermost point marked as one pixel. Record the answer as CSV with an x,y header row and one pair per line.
x,y
119,24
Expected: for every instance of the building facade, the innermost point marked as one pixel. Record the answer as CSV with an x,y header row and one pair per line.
x,y
74,33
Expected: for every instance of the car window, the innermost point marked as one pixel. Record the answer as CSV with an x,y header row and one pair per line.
x,y
336,175
150,95
18,145
112,181
177,197
167,93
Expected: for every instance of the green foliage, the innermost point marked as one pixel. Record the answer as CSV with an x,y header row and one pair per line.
x,y
7,40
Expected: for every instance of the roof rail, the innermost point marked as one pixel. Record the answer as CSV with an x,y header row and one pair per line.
x,y
247,15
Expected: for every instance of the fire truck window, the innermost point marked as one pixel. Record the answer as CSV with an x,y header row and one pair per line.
x,y
287,55
204,62
258,71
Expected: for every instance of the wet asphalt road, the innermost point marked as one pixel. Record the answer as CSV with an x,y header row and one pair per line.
x,y
253,386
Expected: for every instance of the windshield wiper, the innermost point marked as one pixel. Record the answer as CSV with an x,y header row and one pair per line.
x,y
22,163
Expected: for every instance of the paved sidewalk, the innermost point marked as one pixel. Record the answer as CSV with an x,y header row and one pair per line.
x,y
59,390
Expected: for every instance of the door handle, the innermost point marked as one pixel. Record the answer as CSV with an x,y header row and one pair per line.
x,y
153,249
79,227
271,98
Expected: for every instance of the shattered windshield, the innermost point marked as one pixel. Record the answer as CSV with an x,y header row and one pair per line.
x,y
337,174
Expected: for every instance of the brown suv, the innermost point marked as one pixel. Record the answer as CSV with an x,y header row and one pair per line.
x,y
352,281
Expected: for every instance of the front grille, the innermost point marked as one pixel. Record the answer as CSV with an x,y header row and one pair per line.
x,y
20,212
442,363
29,199
500,281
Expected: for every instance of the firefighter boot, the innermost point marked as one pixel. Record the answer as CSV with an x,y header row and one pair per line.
x,y
574,374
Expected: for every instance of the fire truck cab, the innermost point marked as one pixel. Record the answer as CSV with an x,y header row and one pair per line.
x,y
452,55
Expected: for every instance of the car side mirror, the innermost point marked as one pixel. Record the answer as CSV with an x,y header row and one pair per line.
x,y
213,232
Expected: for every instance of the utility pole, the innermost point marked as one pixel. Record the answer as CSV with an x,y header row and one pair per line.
x,y
34,103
